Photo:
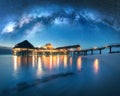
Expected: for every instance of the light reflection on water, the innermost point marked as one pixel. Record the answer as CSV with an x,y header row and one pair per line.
x,y
38,66
39,69
96,65
46,62
71,61
65,61
51,62
79,63
15,63
33,61
16,69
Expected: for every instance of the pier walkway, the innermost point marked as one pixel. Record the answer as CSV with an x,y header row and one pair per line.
x,y
100,49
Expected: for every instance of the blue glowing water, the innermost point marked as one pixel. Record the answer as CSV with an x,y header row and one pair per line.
x,y
93,73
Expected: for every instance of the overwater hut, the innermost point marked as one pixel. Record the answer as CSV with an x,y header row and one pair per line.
x,y
23,48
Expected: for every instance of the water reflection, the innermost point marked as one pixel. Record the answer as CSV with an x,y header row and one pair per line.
x,y
58,60
71,61
65,61
20,61
46,63
79,63
33,61
96,65
50,62
39,67
15,63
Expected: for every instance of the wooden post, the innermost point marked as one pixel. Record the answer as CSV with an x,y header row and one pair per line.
x,y
100,51
27,52
86,52
83,52
110,49
74,53
91,52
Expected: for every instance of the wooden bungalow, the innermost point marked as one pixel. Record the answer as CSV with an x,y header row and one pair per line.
x,y
23,48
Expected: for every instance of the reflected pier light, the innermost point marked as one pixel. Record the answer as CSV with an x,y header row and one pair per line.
x,y
96,65
33,61
15,63
79,63
39,70
51,62
54,61
71,61
58,60
65,61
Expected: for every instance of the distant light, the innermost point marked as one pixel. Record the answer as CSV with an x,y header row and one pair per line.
x,y
71,49
95,47
106,46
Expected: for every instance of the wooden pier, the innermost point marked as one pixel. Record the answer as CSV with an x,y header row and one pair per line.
x,y
26,48
100,49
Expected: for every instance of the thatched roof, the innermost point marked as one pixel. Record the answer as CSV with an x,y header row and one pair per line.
x,y
24,44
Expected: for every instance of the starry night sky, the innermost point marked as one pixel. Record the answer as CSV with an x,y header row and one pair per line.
x,y
60,22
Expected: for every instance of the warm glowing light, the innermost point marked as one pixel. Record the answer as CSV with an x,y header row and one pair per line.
x,y
71,49
61,59
39,70
58,60
106,46
78,48
48,46
65,61
70,60
47,61
50,66
95,47
54,61
79,63
44,60
96,65
15,63
33,61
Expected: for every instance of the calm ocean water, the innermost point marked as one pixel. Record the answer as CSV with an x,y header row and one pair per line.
x,y
100,72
